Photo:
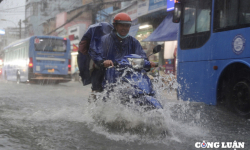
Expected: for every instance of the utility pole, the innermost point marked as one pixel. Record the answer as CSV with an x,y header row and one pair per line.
x,y
98,6
20,29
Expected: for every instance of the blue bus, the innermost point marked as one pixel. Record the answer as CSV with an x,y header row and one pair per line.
x,y
38,59
1,66
214,53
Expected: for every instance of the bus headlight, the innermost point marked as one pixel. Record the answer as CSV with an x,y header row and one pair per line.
x,y
136,63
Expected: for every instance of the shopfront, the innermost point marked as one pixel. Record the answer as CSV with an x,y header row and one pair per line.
x,y
166,34
151,26
75,33
150,15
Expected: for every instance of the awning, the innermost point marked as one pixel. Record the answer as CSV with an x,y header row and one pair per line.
x,y
166,31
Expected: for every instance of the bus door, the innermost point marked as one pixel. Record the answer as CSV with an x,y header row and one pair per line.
x,y
50,56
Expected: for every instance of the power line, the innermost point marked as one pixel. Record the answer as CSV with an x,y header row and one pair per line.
x,y
12,8
50,10
85,6
62,3
13,11
25,6
77,15
12,15
72,4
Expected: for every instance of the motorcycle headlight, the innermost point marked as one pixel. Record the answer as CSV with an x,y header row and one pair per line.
x,y
136,63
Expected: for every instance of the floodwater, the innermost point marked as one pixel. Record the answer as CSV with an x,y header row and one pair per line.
x,y
59,117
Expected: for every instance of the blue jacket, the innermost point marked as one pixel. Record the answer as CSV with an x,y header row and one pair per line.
x,y
113,49
93,36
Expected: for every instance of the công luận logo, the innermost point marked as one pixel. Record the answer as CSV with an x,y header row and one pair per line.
x,y
226,145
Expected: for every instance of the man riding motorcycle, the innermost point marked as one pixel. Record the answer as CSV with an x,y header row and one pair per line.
x,y
117,44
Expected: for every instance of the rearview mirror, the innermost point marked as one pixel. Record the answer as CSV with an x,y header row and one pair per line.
x,y
177,13
157,49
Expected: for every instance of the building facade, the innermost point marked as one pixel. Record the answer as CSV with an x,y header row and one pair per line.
x,y
38,11
146,16
73,23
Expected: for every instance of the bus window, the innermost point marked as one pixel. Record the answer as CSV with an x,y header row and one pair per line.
x,y
202,24
203,20
26,54
196,20
244,17
5,57
23,53
225,13
189,21
18,53
231,14
53,45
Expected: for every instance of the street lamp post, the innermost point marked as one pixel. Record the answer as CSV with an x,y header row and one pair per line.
x,y
9,21
20,28
19,23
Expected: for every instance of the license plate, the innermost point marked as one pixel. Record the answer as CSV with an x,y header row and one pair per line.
x,y
51,70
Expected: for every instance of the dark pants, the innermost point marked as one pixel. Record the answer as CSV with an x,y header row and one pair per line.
x,y
97,77
83,65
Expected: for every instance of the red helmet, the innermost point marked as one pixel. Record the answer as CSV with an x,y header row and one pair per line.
x,y
122,18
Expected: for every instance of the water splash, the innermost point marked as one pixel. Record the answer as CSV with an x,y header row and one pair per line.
x,y
131,123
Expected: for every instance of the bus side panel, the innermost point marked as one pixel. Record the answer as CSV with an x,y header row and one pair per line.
x,y
10,73
31,55
219,46
196,80
199,81
224,44
25,71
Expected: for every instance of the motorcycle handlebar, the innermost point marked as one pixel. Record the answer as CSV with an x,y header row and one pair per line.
x,y
115,64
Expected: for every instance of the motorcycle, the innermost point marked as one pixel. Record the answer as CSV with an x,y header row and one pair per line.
x,y
130,73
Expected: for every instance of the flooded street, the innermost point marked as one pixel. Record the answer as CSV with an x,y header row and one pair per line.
x,y
199,47
59,117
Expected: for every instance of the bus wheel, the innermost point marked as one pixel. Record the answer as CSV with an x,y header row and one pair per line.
x,y
239,95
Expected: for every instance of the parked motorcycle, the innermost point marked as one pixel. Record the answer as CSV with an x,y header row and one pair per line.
x,y
130,74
